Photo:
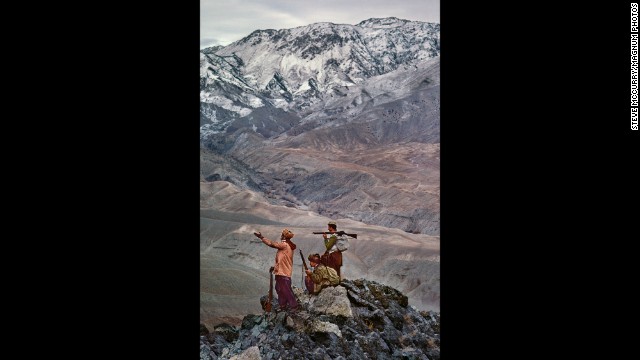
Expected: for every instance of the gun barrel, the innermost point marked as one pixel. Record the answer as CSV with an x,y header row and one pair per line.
x,y
355,236
303,261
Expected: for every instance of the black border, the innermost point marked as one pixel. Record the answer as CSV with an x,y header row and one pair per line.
x,y
162,298
517,164
127,272
537,163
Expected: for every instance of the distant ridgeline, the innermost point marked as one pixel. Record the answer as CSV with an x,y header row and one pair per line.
x,y
358,319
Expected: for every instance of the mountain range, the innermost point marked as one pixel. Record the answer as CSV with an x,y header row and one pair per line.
x,y
324,121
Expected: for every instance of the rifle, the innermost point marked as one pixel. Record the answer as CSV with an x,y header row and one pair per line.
x,y
355,236
303,261
268,306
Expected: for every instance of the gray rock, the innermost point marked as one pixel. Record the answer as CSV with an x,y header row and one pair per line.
x,y
332,301
324,327
388,330
206,353
252,353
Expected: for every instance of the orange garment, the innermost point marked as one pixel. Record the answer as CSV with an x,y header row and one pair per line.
x,y
284,257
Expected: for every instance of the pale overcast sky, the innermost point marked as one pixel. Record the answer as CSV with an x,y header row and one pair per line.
x,y
225,21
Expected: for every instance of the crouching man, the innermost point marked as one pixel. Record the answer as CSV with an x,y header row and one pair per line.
x,y
321,277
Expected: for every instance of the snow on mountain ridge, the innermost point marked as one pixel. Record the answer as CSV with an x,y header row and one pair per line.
x,y
361,52
384,22
309,68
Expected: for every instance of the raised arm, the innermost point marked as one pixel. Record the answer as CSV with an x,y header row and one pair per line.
x,y
271,243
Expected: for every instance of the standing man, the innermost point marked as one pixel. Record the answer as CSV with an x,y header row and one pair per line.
x,y
332,257
283,268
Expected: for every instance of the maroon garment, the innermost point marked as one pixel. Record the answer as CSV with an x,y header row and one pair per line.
x,y
332,260
286,299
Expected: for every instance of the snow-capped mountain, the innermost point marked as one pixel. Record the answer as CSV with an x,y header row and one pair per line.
x,y
317,70
342,120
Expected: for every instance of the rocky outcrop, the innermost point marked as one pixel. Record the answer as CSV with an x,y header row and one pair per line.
x,y
357,319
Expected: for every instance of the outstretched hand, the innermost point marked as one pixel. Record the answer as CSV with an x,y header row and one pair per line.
x,y
258,235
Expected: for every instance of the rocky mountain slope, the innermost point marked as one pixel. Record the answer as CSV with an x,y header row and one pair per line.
x,y
368,117
357,319
309,68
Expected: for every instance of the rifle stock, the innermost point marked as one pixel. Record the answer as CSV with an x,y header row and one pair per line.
x,y
355,236
268,306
